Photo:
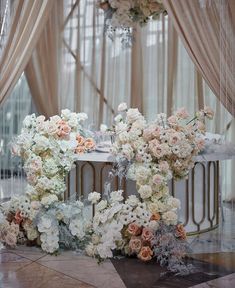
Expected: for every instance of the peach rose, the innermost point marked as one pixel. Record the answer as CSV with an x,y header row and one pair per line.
x,y
147,234
172,120
182,113
80,150
80,139
135,244
18,218
200,143
180,232
89,144
155,217
63,129
134,229
145,253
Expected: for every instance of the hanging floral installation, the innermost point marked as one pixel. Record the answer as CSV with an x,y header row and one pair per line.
x,y
121,16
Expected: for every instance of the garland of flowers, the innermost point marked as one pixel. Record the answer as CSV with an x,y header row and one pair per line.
x,y
48,149
150,154
121,16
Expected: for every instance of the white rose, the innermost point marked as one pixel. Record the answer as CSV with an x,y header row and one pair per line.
x,y
133,115
132,200
170,218
94,197
173,203
122,107
145,191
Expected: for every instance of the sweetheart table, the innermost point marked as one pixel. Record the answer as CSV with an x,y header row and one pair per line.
x,y
200,193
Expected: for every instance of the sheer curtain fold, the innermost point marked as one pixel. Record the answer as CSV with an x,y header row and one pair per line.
x,y
208,35
43,69
31,17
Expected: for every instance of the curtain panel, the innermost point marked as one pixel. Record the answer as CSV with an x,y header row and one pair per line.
x,y
208,35
43,70
28,23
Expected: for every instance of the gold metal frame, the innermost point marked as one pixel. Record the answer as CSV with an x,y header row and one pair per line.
x,y
209,214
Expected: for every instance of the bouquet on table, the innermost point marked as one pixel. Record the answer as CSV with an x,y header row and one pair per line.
x,y
150,154
48,149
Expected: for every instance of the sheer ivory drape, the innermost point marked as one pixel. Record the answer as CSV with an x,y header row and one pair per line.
x,y
43,69
28,22
208,34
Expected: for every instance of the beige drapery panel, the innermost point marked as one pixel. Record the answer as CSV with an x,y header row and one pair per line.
x,y
208,34
43,69
29,21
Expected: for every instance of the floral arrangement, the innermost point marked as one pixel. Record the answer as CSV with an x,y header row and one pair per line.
x,y
132,229
150,154
127,12
122,15
57,225
48,149
159,150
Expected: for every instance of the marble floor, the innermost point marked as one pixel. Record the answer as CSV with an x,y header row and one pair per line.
x,y
27,267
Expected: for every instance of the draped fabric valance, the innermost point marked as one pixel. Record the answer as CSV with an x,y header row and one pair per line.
x,y
208,34
29,20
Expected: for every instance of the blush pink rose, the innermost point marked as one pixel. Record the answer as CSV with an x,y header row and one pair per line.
x,y
135,244
80,150
182,113
63,129
158,179
172,120
147,234
80,139
89,144
200,144
145,254
134,229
